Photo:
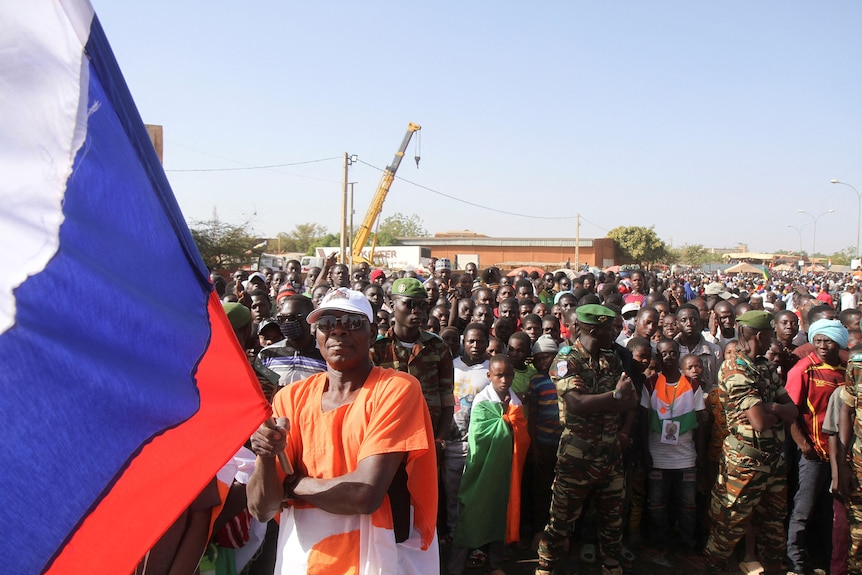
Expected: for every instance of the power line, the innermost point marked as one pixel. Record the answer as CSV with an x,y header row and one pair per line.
x,y
265,167
469,203
173,143
248,167
594,224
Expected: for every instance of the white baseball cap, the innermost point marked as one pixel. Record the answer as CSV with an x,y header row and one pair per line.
x,y
343,299
630,307
257,275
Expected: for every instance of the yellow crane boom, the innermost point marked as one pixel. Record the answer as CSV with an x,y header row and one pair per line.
x,y
364,230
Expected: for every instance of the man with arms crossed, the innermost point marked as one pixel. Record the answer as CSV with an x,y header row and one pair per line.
x,y
360,444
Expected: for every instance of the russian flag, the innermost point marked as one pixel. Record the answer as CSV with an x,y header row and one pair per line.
x,y
123,387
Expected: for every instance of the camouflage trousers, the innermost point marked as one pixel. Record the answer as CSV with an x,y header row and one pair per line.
x,y
854,518
578,475
748,492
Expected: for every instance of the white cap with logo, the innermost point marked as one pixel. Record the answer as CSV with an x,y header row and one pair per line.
x,y
343,299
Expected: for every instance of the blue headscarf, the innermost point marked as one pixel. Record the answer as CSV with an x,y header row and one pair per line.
x,y
558,295
831,328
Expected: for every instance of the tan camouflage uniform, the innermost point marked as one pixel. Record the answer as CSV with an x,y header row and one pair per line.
x,y
752,484
851,395
429,361
589,459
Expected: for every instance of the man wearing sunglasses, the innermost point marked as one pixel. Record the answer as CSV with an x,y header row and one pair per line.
x,y
360,487
296,356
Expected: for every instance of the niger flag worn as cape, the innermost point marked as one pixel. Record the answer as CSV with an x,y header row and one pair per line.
x,y
490,493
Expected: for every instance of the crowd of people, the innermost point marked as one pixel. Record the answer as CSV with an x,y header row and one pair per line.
x,y
425,425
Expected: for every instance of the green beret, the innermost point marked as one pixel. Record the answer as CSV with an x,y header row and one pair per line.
x,y
594,313
237,314
756,319
409,287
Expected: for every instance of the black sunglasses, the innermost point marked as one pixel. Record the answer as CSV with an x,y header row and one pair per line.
x,y
350,322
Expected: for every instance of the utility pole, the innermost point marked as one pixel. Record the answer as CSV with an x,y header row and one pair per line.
x,y
348,159
351,225
343,241
578,242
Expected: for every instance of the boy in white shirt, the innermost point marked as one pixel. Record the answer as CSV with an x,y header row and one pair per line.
x,y
675,409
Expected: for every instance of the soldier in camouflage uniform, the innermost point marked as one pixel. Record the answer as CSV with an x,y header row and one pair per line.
x,y
850,441
752,486
428,359
593,392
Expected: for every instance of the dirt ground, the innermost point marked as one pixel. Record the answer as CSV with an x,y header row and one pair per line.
x,y
647,562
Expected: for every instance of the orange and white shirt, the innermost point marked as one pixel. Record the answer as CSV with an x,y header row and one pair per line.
x,y
388,415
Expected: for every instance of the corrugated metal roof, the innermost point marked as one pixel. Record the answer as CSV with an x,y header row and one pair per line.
x,y
499,242
748,256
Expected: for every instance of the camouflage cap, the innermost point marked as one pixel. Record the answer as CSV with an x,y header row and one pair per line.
x,y
756,319
409,287
594,313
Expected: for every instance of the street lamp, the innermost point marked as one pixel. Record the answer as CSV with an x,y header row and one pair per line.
x,y
799,231
859,211
814,233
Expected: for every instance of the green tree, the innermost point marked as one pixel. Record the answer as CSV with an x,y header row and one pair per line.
x,y
398,225
303,239
304,235
840,258
325,241
672,256
843,257
283,243
695,255
223,245
638,244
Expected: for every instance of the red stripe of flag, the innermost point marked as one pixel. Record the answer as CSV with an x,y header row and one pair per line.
x,y
170,471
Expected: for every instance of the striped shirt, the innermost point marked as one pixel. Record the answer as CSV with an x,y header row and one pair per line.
x,y
810,384
544,409
291,364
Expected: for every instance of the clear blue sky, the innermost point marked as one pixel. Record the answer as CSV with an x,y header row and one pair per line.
x,y
715,122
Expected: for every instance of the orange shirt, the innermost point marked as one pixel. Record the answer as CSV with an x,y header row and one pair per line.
x,y
388,415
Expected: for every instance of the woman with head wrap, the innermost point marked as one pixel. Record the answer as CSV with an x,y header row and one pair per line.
x,y
810,384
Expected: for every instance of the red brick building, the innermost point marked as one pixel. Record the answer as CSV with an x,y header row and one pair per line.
x,y
507,253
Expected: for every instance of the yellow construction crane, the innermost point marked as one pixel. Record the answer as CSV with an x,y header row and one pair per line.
x,y
364,230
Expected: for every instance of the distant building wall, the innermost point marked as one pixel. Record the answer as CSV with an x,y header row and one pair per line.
x,y
548,253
